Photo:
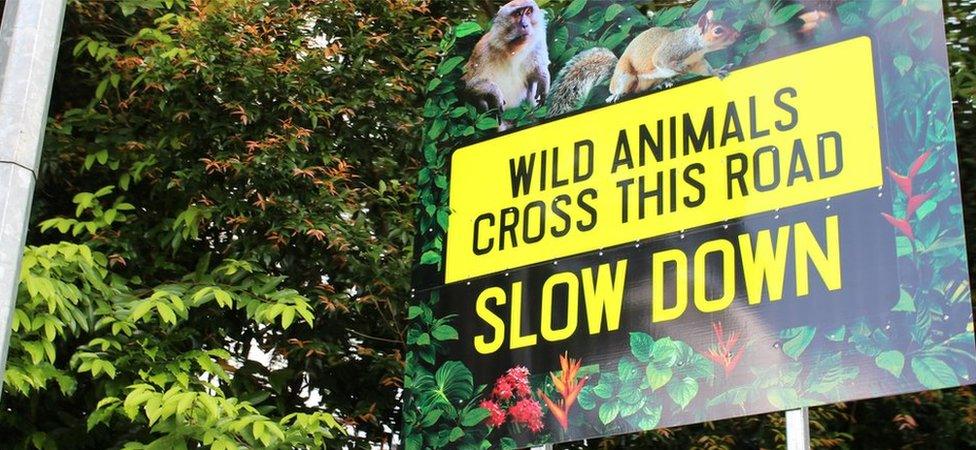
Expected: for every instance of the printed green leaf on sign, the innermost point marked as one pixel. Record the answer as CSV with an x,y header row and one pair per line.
x,y
608,412
657,377
456,433
906,303
669,15
466,28
445,333
447,66
933,373
586,399
797,340
603,390
454,381
784,14
665,351
627,370
652,416
414,311
487,123
734,396
641,345
683,391
892,360
508,443
838,334
430,257
784,398
612,12
574,8
903,63
474,417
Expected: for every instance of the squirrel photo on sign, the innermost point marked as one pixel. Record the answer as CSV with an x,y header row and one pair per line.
x,y
509,65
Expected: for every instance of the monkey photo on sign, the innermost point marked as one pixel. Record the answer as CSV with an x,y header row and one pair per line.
x,y
510,64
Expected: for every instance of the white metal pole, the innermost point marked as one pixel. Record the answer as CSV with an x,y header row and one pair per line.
x,y
29,40
798,429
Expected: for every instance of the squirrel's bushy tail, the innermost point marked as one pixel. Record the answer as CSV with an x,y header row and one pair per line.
x,y
574,83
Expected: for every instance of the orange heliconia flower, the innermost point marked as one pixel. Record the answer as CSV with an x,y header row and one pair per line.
x,y
724,352
568,387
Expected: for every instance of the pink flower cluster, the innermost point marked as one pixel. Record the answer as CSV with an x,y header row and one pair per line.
x,y
512,398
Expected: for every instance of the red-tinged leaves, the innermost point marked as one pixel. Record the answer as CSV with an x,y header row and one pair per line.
x,y
901,225
904,183
919,162
915,202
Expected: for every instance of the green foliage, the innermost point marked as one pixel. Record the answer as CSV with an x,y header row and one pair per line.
x,y
220,243
663,377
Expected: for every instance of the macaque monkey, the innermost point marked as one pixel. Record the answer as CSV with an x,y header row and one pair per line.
x,y
510,64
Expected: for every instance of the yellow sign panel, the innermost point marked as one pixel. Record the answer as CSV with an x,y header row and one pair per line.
x,y
778,134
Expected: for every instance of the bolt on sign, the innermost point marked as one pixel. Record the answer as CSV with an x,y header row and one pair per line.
x,y
634,219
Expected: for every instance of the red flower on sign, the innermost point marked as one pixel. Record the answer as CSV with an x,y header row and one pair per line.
x,y
518,378
502,390
724,352
527,412
511,397
906,185
496,415
568,387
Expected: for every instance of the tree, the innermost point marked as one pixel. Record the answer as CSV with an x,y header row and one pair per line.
x,y
222,179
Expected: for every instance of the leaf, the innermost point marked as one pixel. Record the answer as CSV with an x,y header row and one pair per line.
x,y
456,433
140,310
665,352
627,370
445,333
447,66
784,14
903,63
652,417
838,334
668,16
573,9
487,123
797,340
784,398
474,417
287,317
454,381
683,391
612,12
466,29
413,312
658,377
933,373
100,90
603,389
608,412
906,303
892,360
430,257
166,313
431,417
641,345
586,399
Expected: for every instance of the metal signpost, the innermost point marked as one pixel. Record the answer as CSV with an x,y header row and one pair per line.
x,y
29,40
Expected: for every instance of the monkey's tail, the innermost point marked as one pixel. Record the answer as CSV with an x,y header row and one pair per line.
x,y
581,74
